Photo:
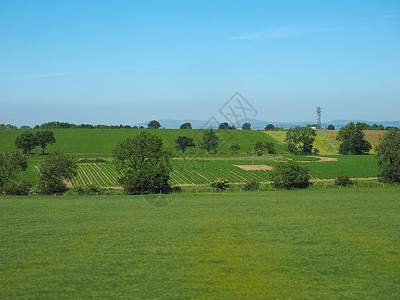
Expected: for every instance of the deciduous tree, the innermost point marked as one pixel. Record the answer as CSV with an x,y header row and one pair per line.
x,y
56,168
300,140
153,125
352,139
27,141
184,142
45,138
10,164
235,147
246,126
209,141
269,127
144,164
225,125
186,126
388,155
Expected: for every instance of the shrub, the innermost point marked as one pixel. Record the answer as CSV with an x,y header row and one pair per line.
x,y
14,187
251,185
259,152
290,175
93,190
343,180
221,184
80,190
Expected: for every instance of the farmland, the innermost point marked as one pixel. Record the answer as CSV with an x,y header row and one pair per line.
x,y
100,142
195,167
203,171
340,243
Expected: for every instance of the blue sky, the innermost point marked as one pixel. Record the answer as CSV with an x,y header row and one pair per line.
x,y
125,62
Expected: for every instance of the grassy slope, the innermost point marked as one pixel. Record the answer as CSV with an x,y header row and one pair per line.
x,y
341,243
372,136
100,142
324,142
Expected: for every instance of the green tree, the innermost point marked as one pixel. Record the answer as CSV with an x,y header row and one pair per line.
x,y
186,126
331,127
209,141
388,155
56,168
184,142
27,141
352,139
259,146
45,138
269,146
10,164
225,125
235,147
269,127
246,126
153,125
300,140
290,175
144,164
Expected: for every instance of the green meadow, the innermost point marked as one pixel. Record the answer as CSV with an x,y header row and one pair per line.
x,y
335,243
100,142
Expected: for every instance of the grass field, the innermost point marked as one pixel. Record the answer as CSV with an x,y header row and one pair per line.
x,y
100,142
340,243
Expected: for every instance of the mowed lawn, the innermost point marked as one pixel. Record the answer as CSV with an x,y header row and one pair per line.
x,y
335,243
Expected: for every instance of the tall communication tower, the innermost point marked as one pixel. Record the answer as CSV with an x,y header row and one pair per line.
x,y
319,110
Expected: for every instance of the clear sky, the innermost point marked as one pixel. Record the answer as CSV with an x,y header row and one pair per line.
x,y
116,62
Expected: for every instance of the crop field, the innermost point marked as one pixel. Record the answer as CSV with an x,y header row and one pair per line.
x,y
193,172
103,175
324,244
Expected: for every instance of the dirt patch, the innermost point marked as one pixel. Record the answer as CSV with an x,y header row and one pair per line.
x,y
255,167
321,159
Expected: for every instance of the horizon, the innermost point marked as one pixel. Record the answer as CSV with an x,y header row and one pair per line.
x,y
129,62
204,124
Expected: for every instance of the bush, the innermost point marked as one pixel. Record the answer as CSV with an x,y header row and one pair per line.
x,y
290,175
343,180
18,187
221,184
251,185
91,189
80,190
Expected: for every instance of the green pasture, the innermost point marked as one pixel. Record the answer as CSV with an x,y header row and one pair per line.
x,y
100,142
324,244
